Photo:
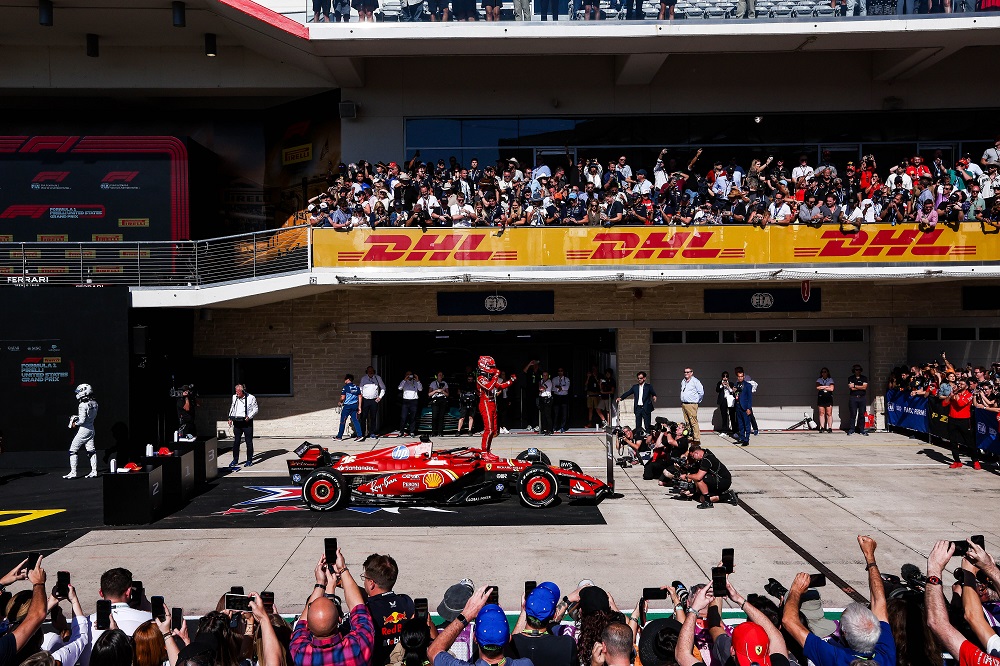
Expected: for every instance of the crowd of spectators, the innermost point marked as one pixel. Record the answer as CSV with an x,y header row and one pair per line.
x,y
911,193
357,619
953,393
336,11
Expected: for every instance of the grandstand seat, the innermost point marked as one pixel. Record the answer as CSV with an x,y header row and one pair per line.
x,y
695,13
825,10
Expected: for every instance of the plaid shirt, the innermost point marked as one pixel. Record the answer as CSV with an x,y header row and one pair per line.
x,y
354,649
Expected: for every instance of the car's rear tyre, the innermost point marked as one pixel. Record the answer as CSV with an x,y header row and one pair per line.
x,y
534,455
323,490
538,487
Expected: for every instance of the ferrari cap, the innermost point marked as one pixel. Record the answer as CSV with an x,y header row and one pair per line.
x,y
491,626
751,645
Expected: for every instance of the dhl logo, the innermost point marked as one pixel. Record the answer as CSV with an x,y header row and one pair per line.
x,y
885,242
429,247
616,245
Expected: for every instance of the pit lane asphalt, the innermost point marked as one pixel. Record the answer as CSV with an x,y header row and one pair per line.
x,y
815,492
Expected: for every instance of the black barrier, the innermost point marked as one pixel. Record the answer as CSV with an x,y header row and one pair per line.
x,y
929,416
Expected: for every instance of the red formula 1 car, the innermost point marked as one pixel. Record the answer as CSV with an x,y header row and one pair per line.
x,y
416,473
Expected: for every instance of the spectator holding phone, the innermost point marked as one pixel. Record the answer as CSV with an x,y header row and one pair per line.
x,y
316,639
116,587
532,637
67,648
492,634
14,645
388,610
865,634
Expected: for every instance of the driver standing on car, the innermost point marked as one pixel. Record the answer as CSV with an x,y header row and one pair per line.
x,y
488,383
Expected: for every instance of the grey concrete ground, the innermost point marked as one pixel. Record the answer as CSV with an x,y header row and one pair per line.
x,y
821,491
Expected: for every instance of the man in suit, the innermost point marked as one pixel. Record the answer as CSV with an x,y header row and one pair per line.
x,y
744,407
644,400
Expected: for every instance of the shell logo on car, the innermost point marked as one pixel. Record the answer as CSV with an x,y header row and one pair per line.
x,y
433,479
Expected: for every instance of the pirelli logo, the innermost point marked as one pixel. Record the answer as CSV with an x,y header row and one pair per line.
x,y
133,222
108,238
53,270
52,238
109,270
133,254
80,254
6,238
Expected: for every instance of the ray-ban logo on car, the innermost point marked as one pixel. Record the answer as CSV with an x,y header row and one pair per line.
x,y
762,300
496,303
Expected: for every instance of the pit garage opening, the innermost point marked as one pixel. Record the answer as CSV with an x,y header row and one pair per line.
x,y
455,353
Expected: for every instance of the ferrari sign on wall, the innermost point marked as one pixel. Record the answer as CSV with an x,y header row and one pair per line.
x,y
632,246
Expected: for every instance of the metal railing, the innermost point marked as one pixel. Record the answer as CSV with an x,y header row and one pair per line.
x,y
178,264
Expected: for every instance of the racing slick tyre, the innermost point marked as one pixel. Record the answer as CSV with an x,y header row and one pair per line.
x,y
534,455
323,489
538,487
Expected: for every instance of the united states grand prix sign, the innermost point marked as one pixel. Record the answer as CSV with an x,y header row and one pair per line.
x,y
562,246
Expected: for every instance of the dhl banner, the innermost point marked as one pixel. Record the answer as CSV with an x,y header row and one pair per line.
x,y
633,246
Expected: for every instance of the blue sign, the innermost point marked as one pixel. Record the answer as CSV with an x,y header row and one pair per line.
x,y
906,411
987,424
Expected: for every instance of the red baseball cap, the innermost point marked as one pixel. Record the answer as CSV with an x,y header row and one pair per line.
x,y
751,645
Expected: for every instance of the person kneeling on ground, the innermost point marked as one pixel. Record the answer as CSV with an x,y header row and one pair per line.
x,y
712,478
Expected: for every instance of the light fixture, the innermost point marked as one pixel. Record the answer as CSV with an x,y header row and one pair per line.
x,y
758,119
211,47
177,8
45,13
93,45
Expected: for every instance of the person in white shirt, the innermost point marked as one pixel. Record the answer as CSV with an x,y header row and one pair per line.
x,y
116,587
438,394
991,155
803,170
462,214
372,390
409,417
643,187
242,410
864,213
545,387
560,399
778,211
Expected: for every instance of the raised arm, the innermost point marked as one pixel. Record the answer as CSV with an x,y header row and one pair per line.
x,y
937,610
875,585
684,652
790,621
755,615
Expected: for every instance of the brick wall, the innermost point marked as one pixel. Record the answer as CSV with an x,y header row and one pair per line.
x,y
325,337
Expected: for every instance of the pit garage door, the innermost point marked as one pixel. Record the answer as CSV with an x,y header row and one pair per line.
x,y
785,362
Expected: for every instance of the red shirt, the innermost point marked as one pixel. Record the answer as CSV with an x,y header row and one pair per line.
x,y
970,655
959,407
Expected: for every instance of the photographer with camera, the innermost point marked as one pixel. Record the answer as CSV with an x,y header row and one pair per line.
x,y
242,410
712,479
187,411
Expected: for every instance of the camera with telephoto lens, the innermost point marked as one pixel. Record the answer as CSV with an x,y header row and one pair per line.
x,y
775,589
681,486
186,390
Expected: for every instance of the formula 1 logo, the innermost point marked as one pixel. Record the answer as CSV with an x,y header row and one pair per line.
x,y
618,245
887,243
119,180
430,247
49,180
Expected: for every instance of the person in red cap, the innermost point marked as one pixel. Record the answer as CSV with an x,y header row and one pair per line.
x,y
756,642
489,385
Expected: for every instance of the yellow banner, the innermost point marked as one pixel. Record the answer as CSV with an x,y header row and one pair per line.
x,y
652,246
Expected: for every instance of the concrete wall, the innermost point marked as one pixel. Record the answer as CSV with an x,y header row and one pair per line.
x,y
330,334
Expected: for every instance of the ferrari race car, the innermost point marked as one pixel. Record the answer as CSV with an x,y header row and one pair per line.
x,y
416,473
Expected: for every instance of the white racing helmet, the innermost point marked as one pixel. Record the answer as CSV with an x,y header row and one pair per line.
x,y
83,391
